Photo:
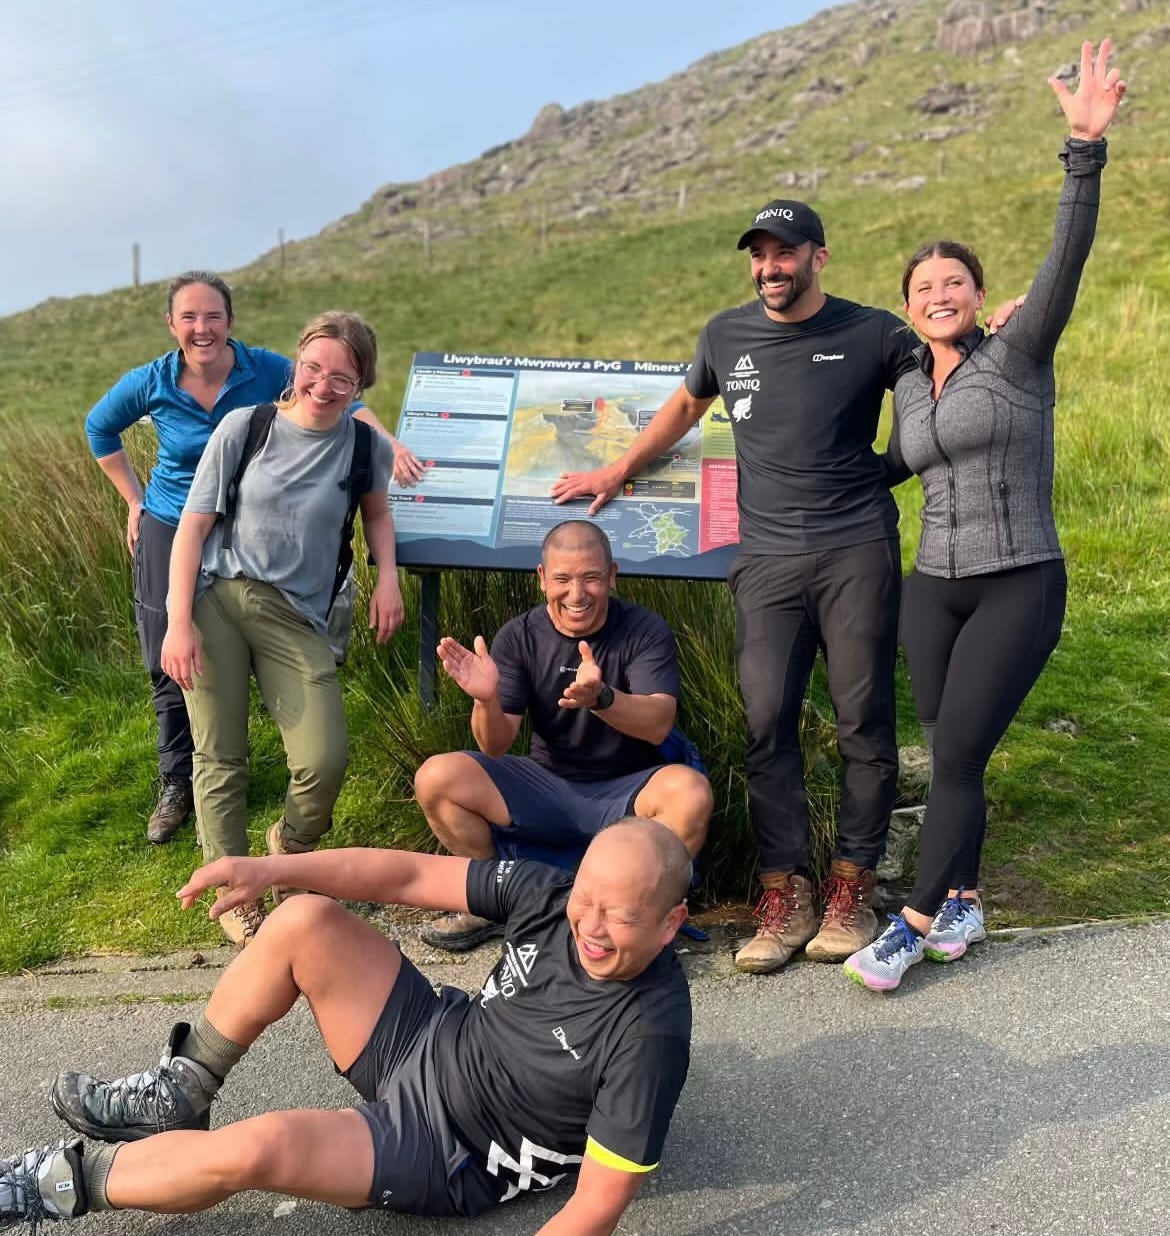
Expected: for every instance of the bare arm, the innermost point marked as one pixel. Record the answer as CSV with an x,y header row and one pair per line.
x,y
477,674
125,480
393,877
494,729
408,468
670,423
386,608
181,657
597,1204
648,717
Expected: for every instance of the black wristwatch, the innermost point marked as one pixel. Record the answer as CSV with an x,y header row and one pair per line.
x,y
604,698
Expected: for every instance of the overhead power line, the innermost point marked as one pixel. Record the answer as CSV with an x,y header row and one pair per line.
x,y
244,37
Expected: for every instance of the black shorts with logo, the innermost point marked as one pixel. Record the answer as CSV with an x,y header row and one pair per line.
x,y
420,1164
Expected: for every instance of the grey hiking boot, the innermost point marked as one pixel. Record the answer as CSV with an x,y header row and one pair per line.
x,y
459,932
42,1184
176,802
175,1095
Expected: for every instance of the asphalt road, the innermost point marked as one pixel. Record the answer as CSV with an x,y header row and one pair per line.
x,y
1024,1091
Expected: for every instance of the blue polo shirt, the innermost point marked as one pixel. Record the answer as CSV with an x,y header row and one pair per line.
x,y
182,425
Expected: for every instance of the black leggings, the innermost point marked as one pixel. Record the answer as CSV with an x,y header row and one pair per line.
x,y
975,648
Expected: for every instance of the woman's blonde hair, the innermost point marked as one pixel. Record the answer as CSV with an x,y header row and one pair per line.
x,y
350,329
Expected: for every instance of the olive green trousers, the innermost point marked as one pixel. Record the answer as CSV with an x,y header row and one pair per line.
x,y
248,629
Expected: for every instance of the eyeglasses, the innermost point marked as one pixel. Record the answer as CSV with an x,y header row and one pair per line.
x,y
338,383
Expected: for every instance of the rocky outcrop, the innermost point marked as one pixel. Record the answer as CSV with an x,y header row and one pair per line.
x,y
949,99
970,26
620,146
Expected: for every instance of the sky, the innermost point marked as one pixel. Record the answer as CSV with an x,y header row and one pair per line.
x,y
199,131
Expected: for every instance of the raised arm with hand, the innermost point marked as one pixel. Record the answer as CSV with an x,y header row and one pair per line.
x,y
1043,317
1052,297
648,717
669,424
477,674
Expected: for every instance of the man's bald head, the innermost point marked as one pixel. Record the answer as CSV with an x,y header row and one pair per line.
x,y
574,535
651,850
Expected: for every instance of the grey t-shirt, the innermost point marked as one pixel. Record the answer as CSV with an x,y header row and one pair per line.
x,y
289,510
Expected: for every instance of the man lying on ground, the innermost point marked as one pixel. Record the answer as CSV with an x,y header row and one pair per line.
x,y
568,1061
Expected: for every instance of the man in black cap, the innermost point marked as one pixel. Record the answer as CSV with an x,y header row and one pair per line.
x,y
802,375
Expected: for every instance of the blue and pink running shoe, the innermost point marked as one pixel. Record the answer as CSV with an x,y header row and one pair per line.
x,y
880,965
958,924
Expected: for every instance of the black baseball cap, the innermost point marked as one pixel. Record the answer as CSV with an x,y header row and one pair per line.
x,y
792,222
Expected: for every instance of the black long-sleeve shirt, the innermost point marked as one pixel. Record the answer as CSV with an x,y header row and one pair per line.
x,y
984,448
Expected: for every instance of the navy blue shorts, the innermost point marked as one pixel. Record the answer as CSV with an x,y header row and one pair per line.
x,y
420,1165
547,810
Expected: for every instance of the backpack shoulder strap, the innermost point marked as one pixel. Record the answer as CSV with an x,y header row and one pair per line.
x,y
259,427
358,484
361,466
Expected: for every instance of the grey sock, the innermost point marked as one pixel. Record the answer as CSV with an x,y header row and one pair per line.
x,y
96,1162
205,1045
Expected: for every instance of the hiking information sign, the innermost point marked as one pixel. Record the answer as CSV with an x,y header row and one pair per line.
x,y
497,431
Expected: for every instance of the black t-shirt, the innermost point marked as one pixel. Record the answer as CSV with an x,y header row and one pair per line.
x,y
636,652
804,399
544,1058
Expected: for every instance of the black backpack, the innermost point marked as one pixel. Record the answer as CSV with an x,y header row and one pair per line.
x,y
358,482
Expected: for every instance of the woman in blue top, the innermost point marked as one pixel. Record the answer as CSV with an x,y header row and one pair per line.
x,y
186,393
982,609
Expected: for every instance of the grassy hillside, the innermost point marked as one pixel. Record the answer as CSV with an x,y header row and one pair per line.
x,y
1079,821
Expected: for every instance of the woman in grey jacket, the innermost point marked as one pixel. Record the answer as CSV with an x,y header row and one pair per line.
x,y
982,609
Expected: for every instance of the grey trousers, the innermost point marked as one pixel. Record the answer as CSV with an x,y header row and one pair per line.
x,y
152,565
247,628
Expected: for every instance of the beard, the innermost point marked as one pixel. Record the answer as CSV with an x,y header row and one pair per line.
x,y
779,299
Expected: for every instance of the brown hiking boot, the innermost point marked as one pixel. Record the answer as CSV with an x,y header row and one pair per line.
x,y
458,932
241,924
787,921
278,843
849,922
173,809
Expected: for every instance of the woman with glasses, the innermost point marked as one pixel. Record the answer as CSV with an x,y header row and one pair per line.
x,y
185,393
257,602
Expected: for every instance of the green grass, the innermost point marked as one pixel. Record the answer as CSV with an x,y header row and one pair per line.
x,y
1079,824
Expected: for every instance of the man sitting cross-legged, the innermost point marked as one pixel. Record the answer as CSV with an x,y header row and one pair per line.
x,y
598,677
569,1060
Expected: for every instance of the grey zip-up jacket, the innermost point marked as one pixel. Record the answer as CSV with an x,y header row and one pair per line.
x,y
984,448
